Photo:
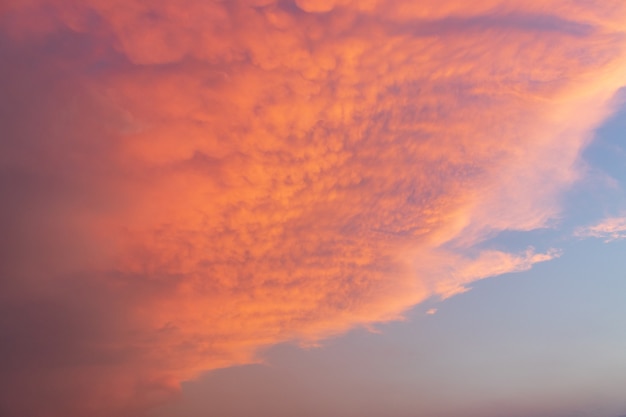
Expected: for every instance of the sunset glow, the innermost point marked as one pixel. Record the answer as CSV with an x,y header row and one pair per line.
x,y
188,182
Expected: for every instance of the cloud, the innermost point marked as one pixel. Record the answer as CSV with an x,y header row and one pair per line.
x,y
609,229
186,182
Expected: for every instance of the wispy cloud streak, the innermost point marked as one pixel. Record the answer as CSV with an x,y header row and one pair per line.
x,y
609,229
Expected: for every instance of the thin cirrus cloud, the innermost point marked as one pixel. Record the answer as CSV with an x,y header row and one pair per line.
x,y
609,229
187,181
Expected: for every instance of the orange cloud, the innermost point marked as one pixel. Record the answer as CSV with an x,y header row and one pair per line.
x,y
190,181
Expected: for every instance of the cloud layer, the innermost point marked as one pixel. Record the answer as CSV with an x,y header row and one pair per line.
x,y
186,182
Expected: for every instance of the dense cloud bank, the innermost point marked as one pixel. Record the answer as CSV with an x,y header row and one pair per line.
x,y
184,182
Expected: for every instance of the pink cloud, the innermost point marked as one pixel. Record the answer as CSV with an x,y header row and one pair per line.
x,y
187,182
609,229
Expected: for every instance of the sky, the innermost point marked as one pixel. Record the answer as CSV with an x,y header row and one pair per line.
x,y
312,208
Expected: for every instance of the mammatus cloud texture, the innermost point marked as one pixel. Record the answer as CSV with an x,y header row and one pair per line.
x,y
186,181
